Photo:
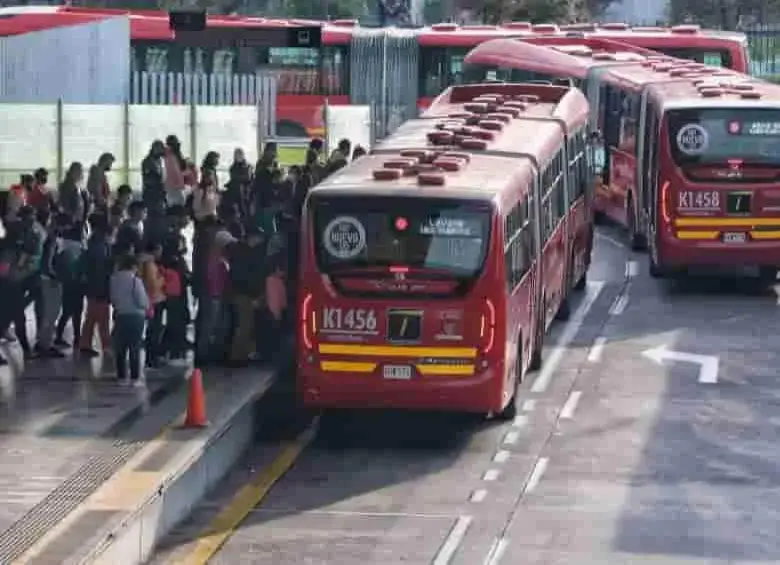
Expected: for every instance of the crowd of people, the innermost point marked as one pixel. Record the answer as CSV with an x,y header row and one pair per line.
x,y
115,266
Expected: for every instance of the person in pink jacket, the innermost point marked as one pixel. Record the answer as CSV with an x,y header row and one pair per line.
x,y
175,171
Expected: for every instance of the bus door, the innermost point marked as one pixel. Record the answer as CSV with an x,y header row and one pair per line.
x,y
647,167
596,94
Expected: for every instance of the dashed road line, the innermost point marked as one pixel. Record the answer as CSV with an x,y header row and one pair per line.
x,y
619,305
502,456
478,495
611,240
511,437
567,336
520,421
632,269
491,475
496,551
536,474
597,349
567,412
454,538
529,405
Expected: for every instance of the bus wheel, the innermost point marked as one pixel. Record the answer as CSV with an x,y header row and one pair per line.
x,y
510,410
535,363
767,275
637,241
583,282
564,311
656,271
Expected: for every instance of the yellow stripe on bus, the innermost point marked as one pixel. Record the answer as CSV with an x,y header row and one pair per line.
x,y
726,222
446,370
774,234
398,350
347,367
697,234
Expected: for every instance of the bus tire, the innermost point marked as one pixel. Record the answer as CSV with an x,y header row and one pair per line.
x,y
582,283
635,238
599,218
564,310
767,276
510,410
535,363
656,271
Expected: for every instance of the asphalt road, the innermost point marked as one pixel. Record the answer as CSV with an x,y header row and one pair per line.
x,y
626,451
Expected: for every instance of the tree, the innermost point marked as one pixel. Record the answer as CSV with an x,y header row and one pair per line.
x,y
539,11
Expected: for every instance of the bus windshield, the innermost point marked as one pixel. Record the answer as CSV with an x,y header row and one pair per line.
x,y
443,236
723,136
478,73
712,57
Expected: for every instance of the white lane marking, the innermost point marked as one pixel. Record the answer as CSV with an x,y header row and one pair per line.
x,y
511,437
502,456
567,336
536,474
619,305
529,405
491,475
597,349
457,533
777,292
567,412
520,421
478,495
611,240
496,551
632,269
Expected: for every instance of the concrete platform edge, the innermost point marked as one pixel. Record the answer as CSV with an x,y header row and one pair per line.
x,y
131,540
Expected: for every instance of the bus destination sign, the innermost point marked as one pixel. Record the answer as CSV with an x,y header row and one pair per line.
x,y
453,227
761,128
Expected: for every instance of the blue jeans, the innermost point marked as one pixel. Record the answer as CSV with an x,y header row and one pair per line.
x,y
128,341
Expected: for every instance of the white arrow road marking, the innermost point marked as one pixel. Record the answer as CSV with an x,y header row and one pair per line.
x,y
708,364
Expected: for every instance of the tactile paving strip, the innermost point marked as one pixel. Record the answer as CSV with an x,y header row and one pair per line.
x,y
64,499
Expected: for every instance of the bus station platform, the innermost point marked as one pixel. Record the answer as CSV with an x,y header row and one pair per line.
x,y
95,472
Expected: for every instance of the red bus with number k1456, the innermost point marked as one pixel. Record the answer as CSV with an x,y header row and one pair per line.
x,y
432,268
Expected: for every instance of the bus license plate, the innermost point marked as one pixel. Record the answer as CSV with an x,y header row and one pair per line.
x,y
734,237
398,372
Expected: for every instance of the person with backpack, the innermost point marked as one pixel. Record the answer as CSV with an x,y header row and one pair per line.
x,y
51,287
176,276
131,306
98,266
69,271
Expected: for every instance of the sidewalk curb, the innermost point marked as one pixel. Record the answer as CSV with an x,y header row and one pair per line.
x,y
200,463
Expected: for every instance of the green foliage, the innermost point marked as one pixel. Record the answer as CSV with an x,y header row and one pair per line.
x,y
542,11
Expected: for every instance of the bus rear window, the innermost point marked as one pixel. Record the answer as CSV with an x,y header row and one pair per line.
x,y
442,237
477,73
721,135
714,58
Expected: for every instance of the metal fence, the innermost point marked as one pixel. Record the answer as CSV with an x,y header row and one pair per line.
x,y
764,47
384,75
80,64
64,133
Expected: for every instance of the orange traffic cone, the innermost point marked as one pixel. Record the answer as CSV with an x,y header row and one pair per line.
x,y
196,402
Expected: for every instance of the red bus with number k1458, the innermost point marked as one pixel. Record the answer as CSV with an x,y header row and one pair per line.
x,y
708,184
432,268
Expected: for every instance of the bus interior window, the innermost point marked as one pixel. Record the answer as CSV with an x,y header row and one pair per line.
x,y
335,70
440,67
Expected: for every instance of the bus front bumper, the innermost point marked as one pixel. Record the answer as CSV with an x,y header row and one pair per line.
x,y
477,393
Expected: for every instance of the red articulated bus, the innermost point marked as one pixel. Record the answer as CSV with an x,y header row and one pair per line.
x,y
613,75
709,182
615,94
309,75
431,268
